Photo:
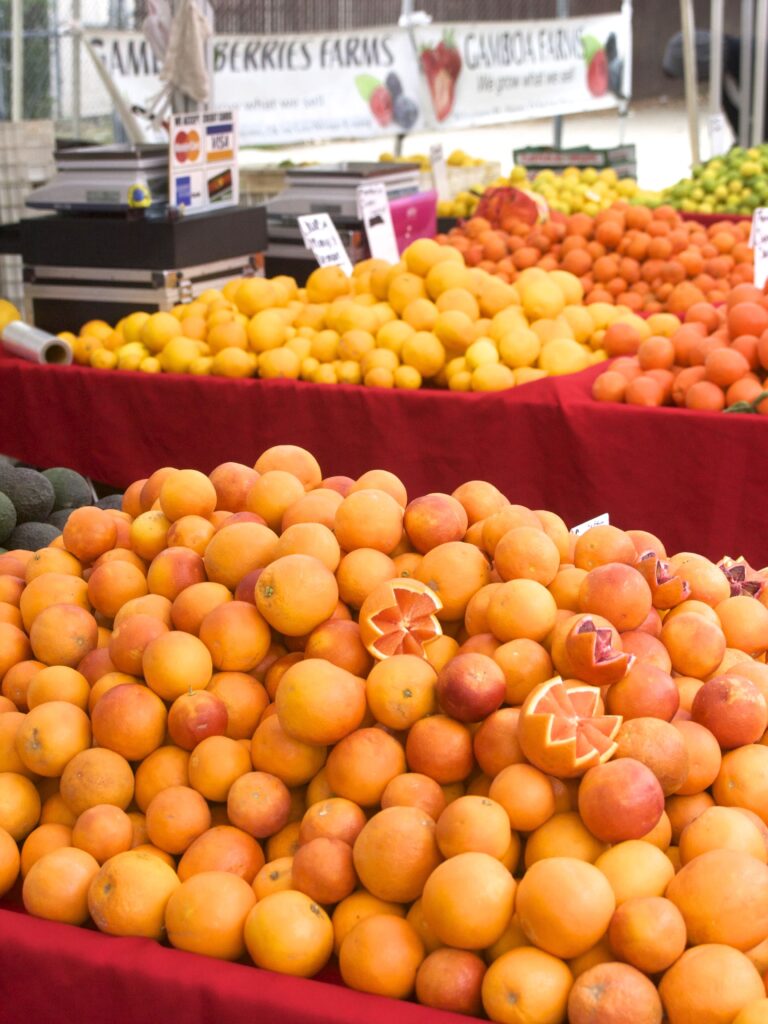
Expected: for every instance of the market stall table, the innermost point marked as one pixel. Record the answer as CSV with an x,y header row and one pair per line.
x,y
696,479
59,974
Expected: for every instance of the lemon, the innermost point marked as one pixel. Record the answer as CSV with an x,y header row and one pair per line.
x,y
279,362
150,364
563,356
179,353
391,335
492,377
324,346
233,362
379,357
266,329
480,353
461,381
379,377
301,346
354,344
103,359
424,352
201,366
308,368
348,371
130,356
407,377
324,374
519,347
132,324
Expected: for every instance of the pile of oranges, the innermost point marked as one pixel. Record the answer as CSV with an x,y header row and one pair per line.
x,y
485,762
428,320
716,359
648,259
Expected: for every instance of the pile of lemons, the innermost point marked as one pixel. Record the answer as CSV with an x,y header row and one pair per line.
x,y
583,189
428,320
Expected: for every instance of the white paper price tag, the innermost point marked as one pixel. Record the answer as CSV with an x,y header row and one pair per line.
x,y
601,520
720,134
439,171
322,239
374,211
758,239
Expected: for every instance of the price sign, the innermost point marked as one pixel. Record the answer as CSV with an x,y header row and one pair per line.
x,y
374,211
322,239
601,520
439,171
758,239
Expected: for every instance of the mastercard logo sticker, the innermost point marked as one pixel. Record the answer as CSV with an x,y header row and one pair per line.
x,y
186,146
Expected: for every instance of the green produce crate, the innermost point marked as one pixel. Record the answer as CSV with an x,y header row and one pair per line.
x,y
622,159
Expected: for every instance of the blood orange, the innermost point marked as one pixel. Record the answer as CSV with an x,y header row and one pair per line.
x,y
561,732
399,617
592,654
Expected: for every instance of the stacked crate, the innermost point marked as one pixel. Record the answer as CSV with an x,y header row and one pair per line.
x,y
26,161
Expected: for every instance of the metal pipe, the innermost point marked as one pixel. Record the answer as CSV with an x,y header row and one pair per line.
x,y
76,71
758,94
563,10
715,56
745,71
689,69
17,60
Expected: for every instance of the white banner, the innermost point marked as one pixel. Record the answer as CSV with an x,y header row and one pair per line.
x,y
492,72
387,81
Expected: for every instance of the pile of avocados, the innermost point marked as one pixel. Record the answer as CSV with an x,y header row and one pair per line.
x,y
35,504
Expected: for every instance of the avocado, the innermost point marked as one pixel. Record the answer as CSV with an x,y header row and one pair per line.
x,y
32,536
59,517
70,488
31,493
7,517
111,501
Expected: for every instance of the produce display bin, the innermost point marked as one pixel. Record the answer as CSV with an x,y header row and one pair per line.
x,y
622,159
686,476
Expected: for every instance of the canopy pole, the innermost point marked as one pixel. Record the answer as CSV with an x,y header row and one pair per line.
x,y
745,71
715,56
17,60
758,102
689,69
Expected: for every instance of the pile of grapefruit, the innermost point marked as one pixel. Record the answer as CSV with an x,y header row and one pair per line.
x,y
428,320
649,260
717,359
486,763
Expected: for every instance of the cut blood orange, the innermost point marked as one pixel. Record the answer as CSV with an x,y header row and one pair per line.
x,y
742,578
399,617
667,589
592,655
560,731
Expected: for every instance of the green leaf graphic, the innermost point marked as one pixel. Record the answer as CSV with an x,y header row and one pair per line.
x,y
590,44
365,86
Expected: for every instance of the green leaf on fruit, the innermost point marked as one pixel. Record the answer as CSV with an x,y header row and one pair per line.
x,y
366,84
590,46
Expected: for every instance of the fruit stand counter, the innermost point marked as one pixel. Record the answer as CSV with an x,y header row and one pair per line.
x,y
57,974
696,479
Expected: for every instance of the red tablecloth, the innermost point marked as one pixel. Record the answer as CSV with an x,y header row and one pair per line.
x,y
698,480
58,974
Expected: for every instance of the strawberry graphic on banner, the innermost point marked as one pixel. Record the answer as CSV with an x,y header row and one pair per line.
x,y
442,66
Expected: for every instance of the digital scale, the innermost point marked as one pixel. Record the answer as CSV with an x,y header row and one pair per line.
x,y
331,189
105,178
112,245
